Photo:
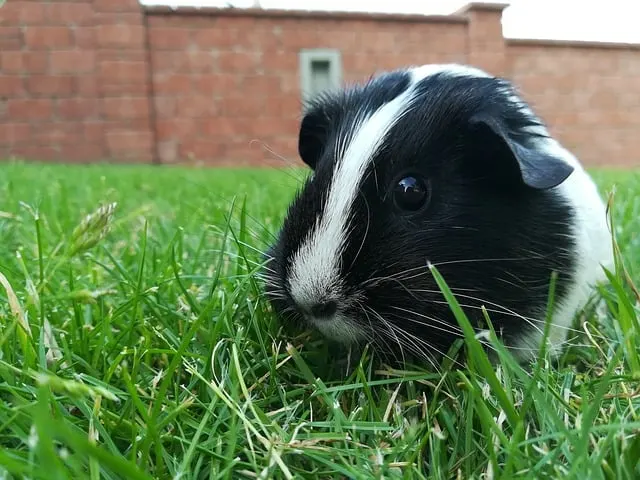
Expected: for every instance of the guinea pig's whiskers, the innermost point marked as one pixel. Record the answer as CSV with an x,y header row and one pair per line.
x,y
290,166
424,269
413,343
363,307
268,277
423,348
450,329
481,260
389,329
503,310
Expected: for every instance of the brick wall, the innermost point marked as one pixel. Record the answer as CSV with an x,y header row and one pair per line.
x,y
590,96
90,80
74,82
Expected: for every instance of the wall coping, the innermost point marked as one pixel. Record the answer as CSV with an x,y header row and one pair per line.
x,y
534,42
458,17
302,14
482,7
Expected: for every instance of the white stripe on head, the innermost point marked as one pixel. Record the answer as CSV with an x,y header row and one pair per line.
x,y
452,69
315,267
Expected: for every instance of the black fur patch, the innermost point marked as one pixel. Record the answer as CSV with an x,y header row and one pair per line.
x,y
495,239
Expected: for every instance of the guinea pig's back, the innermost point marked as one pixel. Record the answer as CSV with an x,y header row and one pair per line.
x,y
592,236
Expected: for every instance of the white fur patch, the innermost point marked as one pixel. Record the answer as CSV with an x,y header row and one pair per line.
x,y
593,250
452,69
315,268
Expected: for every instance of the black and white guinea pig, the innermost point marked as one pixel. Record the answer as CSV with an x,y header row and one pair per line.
x,y
440,164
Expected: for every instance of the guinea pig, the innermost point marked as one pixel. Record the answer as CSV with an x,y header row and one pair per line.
x,y
444,165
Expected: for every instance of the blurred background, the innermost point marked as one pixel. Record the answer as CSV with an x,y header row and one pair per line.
x,y
219,83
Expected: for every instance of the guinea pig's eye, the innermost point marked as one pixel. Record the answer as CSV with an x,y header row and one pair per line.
x,y
410,193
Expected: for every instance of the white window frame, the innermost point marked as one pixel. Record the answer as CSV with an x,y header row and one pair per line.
x,y
308,57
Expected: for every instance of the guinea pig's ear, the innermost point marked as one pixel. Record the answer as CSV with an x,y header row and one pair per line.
x,y
537,169
312,137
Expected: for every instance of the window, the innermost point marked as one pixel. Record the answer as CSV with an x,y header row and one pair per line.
x,y
320,70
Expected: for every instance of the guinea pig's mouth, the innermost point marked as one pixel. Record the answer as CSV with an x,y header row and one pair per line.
x,y
337,327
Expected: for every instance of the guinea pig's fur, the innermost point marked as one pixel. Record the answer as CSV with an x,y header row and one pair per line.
x,y
498,205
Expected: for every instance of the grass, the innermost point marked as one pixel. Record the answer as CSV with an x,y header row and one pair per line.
x,y
144,350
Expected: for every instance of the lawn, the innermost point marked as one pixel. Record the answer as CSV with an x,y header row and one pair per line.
x,y
145,350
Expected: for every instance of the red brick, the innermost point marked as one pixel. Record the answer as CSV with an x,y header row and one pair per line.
x,y
58,134
14,133
83,152
116,89
238,105
11,86
120,35
116,6
106,18
93,131
23,62
47,37
36,152
126,141
123,55
265,126
239,62
10,38
86,86
247,24
29,109
300,38
216,84
217,38
36,62
282,61
196,106
78,108
117,71
264,40
196,61
163,38
265,85
283,106
223,127
126,107
192,22
84,37
12,62
165,106
10,13
70,13
175,128
172,84
72,61
202,150
45,85
164,61
15,12
168,151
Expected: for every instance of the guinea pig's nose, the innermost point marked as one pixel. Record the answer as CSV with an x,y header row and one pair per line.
x,y
324,309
